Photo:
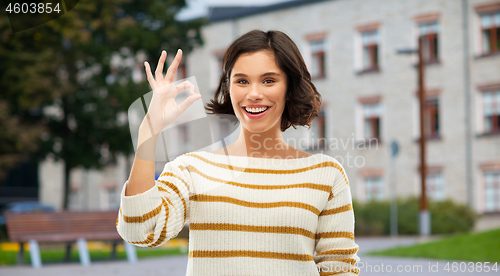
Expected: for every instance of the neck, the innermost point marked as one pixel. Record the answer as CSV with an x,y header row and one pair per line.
x,y
265,144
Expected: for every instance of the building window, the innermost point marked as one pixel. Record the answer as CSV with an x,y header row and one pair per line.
x,y
431,114
111,200
374,188
370,42
316,136
490,32
492,191
75,202
429,35
434,187
491,107
371,120
318,58
431,118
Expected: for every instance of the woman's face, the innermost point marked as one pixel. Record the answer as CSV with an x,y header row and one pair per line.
x,y
257,82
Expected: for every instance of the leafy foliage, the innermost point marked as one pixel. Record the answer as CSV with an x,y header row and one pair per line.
x,y
447,217
61,94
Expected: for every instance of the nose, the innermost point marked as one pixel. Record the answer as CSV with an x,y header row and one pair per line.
x,y
254,93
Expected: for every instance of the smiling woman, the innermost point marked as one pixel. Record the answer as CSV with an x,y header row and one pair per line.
x,y
258,206
280,63
258,96
265,70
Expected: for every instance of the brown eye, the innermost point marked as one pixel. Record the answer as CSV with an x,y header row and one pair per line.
x,y
240,80
269,80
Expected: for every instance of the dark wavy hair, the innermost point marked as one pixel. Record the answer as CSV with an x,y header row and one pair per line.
x,y
302,99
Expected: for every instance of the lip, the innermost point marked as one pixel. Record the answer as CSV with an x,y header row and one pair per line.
x,y
256,116
256,105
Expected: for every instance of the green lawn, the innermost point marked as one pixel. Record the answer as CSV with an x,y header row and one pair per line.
x,y
478,247
57,255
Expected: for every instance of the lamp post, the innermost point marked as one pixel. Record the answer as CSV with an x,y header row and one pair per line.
x,y
394,203
424,212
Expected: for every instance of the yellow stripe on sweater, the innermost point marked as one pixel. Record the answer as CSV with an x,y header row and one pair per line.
x,y
332,235
338,252
344,260
252,228
251,254
143,218
150,237
269,171
320,187
210,198
176,176
163,234
341,209
176,190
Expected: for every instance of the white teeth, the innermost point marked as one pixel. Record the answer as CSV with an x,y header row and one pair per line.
x,y
260,109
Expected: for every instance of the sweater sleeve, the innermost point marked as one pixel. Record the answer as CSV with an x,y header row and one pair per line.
x,y
335,246
155,216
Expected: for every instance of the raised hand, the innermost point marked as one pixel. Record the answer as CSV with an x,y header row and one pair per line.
x,y
163,110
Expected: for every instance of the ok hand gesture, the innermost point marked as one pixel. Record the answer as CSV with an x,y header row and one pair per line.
x,y
163,110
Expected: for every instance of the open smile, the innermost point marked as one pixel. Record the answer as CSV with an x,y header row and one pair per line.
x,y
256,113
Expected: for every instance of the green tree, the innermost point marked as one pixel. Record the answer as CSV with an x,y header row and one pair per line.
x,y
27,82
90,131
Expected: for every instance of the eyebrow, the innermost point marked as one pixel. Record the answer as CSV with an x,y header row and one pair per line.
x,y
263,75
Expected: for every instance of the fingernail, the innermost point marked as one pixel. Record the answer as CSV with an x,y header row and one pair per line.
x,y
178,50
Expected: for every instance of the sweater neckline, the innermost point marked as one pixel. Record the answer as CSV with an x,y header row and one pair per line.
x,y
261,161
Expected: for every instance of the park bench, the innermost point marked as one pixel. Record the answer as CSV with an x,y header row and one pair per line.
x,y
65,226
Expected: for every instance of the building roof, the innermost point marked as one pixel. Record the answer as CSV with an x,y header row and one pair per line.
x,y
222,13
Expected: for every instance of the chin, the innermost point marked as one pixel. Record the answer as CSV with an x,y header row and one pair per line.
x,y
260,128
257,129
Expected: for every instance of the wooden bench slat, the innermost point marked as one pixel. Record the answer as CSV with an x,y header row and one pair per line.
x,y
62,226
65,226
70,237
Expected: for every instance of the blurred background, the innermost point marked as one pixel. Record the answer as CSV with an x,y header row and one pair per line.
x,y
66,87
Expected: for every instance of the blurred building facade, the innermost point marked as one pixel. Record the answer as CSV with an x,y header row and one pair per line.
x,y
369,96
370,92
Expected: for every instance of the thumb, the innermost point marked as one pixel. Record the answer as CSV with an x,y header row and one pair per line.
x,y
189,101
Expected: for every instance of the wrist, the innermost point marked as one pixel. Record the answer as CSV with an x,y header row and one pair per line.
x,y
146,131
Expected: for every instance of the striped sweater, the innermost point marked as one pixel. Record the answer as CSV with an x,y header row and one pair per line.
x,y
248,215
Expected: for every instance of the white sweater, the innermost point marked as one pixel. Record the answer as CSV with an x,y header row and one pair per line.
x,y
249,216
